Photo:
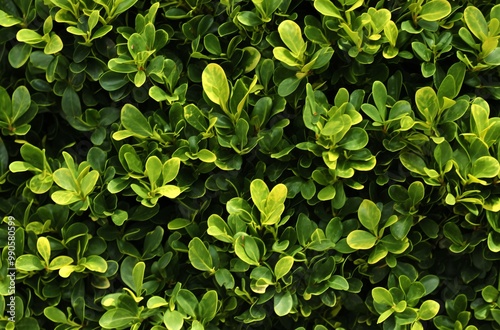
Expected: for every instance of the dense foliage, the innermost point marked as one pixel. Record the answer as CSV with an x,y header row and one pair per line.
x,y
237,164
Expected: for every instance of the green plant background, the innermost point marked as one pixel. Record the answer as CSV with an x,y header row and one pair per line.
x,y
272,164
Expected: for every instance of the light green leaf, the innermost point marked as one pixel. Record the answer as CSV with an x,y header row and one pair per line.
x,y
21,101
63,197
476,22
169,191
284,55
283,266
134,121
361,240
200,256
43,248
7,20
54,45
156,302
170,169
138,277
382,296
259,192
369,215
88,182
246,249
65,179
153,169
428,310
283,303
413,162
427,103
215,85
338,282
29,263
327,8
29,36
96,264
59,262
208,306
55,315
117,318
485,167
291,35
435,10
173,320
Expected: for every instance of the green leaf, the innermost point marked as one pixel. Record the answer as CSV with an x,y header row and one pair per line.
x,y
379,93
476,22
416,192
173,320
274,205
382,296
224,278
413,163
171,169
8,20
71,105
284,55
355,139
219,229
139,78
28,36
338,282
427,103
327,8
62,197
291,35
208,306
122,6
494,241
206,156
199,256
59,262
136,44
485,167
138,277
153,169
428,310
6,106
194,116
259,192
246,249
19,55
65,179
54,45
96,264
361,240
134,121
187,302
117,318
283,303
21,101
283,266
43,248
435,10
55,315
369,215
29,263
215,85
288,86
88,182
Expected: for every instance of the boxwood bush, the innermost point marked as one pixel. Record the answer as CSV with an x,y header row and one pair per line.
x,y
249,164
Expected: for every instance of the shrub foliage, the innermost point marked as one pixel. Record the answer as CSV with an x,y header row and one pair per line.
x,y
237,164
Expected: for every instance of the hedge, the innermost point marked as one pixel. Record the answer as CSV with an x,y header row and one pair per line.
x,y
237,164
